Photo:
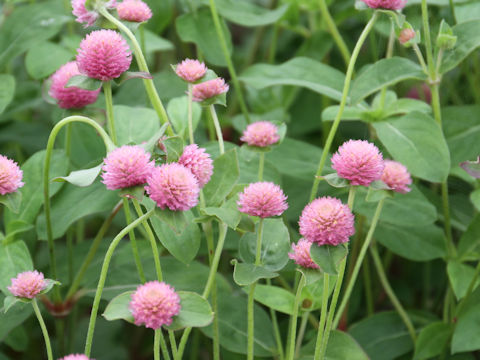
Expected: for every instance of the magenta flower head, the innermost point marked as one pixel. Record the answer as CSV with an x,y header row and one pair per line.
x,y
396,176
71,97
173,186
261,134
209,89
10,176
88,16
301,254
134,10
75,357
262,199
191,70
386,4
327,221
154,304
103,55
28,284
198,161
126,166
358,161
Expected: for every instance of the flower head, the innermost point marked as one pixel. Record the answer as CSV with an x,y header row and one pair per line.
x,y
209,89
86,16
154,304
301,254
173,186
406,35
386,4
191,70
75,357
134,10
103,55
261,134
10,176
327,221
28,284
358,161
263,199
126,166
396,176
71,97
198,161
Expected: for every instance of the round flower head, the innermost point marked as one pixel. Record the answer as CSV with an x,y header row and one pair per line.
x,y
406,35
134,10
191,70
126,166
28,284
326,221
198,162
10,176
173,186
209,89
75,357
386,4
261,134
358,161
154,304
396,176
85,16
301,254
71,97
103,55
263,199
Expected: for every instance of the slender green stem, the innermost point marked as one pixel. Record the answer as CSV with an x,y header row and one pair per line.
x,y
358,264
133,242
391,294
428,40
218,129
391,42
276,330
173,343
323,315
44,329
141,33
156,344
258,255
438,63
261,165
367,284
421,60
68,140
343,102
70,236
228,59
103,277
190,113
163,345
452,9
351,196
470,289
107,90
301,334
273,44
332,28
293,328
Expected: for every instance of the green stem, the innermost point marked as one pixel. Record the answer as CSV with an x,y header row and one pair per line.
x,y
133,242
107,90
428,40
293,327
156,344
351,196
68,140
273,44
343,102
421,60
103,277
218,129
332,28
452,9
44,329
276,330
301,334
391,42
173,343
190,113
163,345
261,165
323,315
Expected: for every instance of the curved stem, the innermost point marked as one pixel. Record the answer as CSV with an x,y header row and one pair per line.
x,y
293,327
103,277
323,315
156,344
133,242
44,329
190,113
107,90
343,102
218,129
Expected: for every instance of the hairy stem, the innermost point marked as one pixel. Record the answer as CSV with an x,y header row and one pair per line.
x,y
44,329
133,242
218,129
190,113
293,328
323,315
107,90
333,30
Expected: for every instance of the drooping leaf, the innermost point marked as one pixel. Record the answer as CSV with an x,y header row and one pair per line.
x,y
82,178
246,274
7,90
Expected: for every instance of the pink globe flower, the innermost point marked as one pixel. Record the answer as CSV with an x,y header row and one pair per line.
x,y
358,161
10,176
103,55
198,161
386,4
134,10
154,304
85,16
396,176
28,284
301,254
191,70
75,357
261,134
126,166
173,186
209,89
262,199
327,221
71,97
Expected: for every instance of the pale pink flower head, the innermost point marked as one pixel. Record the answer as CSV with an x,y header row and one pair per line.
x,y
301,254
28,284
406,35
261,134
396,176
173,186
209,89
126,166
134,10
386,4
88,16
262,199
154,304
191,70
75,357
198,161
10,176
327,221
358,161
70,97
103,55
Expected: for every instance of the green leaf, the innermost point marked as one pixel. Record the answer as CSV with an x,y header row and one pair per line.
x,y
177,110
84,82
82,178
385,72
12,201
406,106
336,181
465,337
328,257
153,141
349,113
416,141
12,319
470,240
133,192
299,71
475,199
9,302
154,43
173,147
7,90
275,297
44,58
228,212
432,340
342,346
134,125
468,39
176,220
460,276
117,308
14,228
195,311
128,75
15,258
246,274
